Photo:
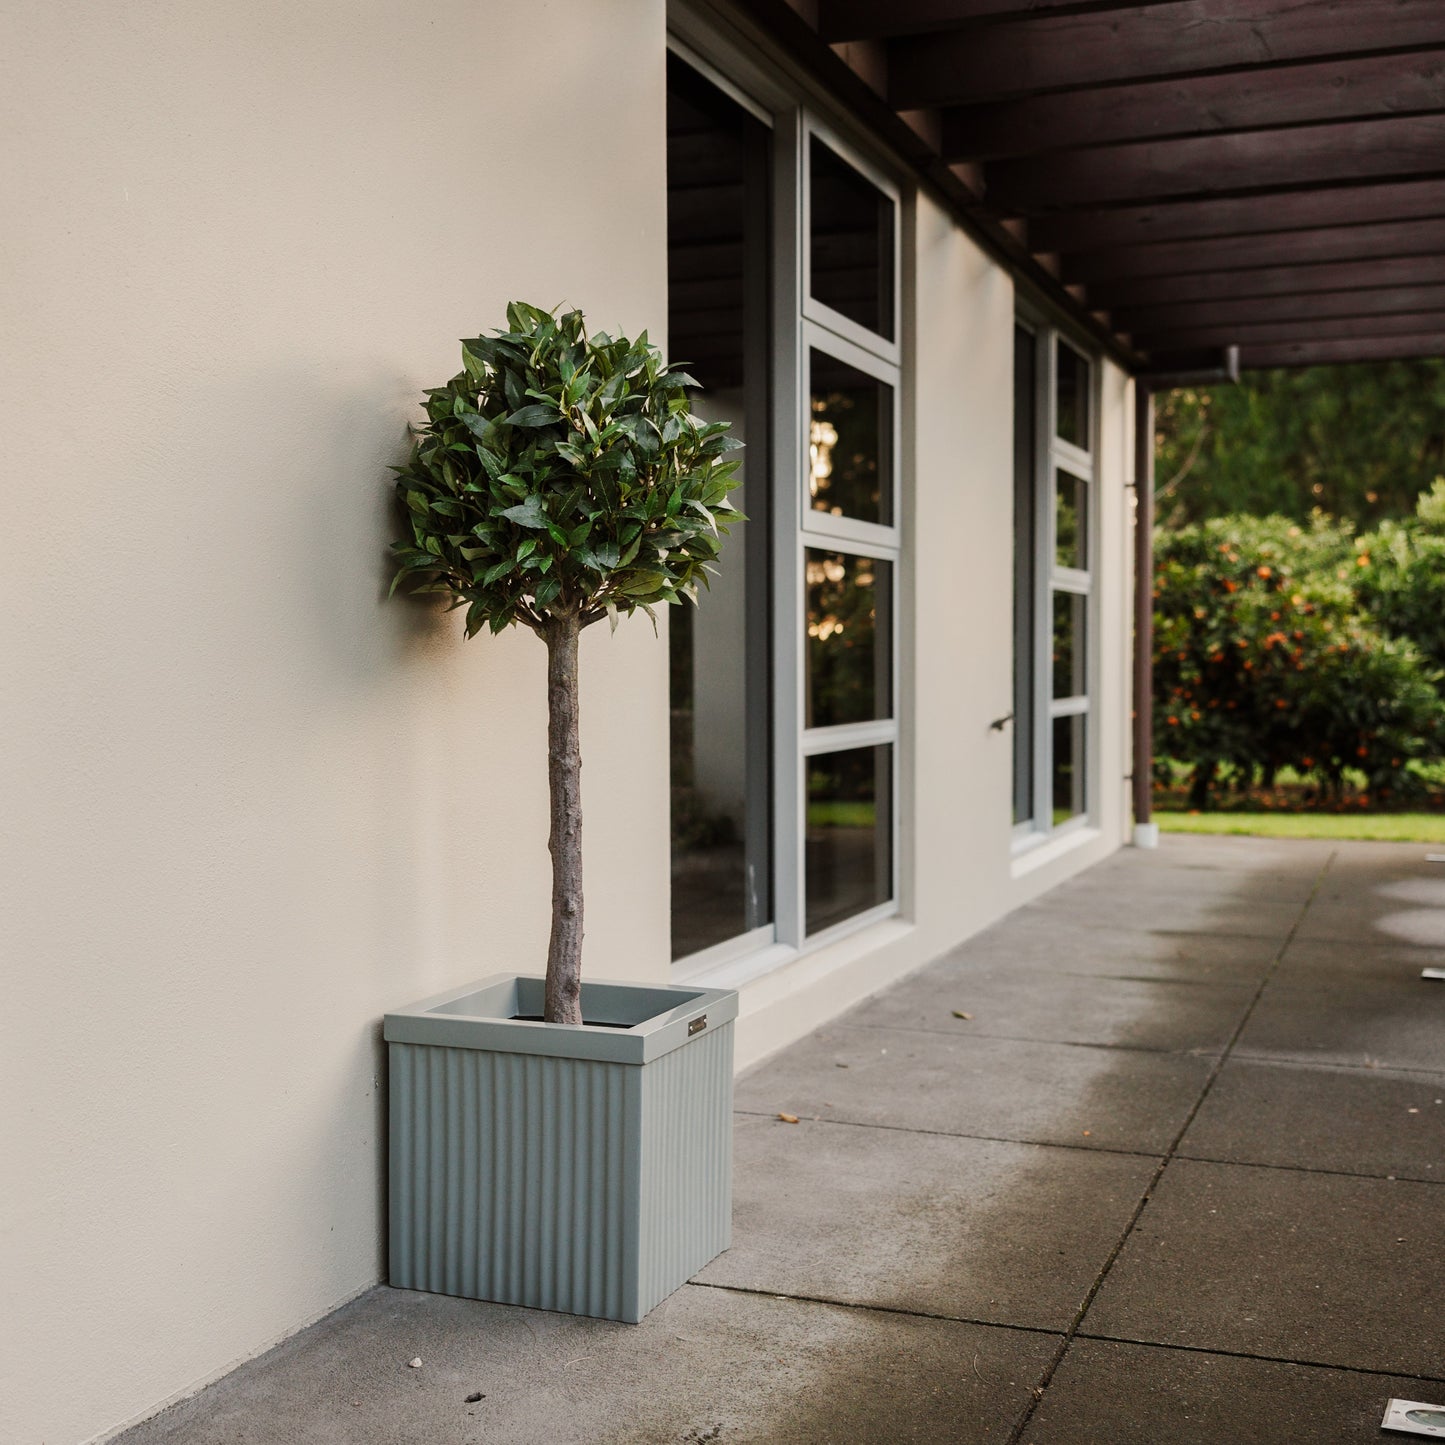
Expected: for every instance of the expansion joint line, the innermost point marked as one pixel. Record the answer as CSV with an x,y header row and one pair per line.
x,y
1051,1368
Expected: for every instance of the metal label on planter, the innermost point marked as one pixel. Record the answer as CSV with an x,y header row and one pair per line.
x,y
697,1025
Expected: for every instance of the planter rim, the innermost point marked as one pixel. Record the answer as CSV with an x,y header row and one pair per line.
x,y
641,1021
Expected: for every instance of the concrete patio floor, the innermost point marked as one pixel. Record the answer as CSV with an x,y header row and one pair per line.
x,y
1178,1178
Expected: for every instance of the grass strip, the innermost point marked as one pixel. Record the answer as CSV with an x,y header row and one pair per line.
x,y
1377,827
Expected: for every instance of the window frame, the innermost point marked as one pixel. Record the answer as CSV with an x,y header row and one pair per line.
x,y
801,324
763,936
1052,455
819,312
818,327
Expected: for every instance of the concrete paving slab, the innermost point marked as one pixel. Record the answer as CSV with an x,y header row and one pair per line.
x,y
1243,854
706,1365
1112,1394
1397,1024
967,1228
1244,851
1142,907
1040,944
1137,1013
1385,894
1316,1268
992,1088
1357,1121
1279,870
1325,962
1366,922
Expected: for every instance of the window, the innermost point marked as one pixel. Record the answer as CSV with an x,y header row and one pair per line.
x,y
849,539
1054,483
719,240
783,302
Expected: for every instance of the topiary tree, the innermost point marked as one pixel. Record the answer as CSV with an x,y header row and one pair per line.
x,y
561,478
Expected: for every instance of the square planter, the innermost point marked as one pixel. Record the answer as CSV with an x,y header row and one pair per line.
x,y
587,1170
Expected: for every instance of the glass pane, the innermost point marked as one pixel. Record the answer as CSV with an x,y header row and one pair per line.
x,y
1071,521
1071,396
848,653
718,241
848,865
1068,767
1025,532
850,442
1070,631
851,247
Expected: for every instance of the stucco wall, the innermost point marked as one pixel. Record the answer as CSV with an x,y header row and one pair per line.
x,y
249,805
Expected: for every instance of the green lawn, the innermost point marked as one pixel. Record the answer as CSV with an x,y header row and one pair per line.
x,y
1386,827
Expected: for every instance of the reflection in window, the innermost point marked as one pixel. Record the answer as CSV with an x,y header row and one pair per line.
x,y
1068,766
1069,634
718,246
849,850
1071,525
850,443
1071,396
851,246
849,638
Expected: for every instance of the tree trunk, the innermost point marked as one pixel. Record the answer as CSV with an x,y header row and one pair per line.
x,y
1199,787
564,782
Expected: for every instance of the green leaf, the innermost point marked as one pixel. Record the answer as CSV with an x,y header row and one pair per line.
x,y
642,584
528,513
480,427
538,414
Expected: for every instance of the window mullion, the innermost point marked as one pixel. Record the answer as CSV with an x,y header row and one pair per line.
x,y
790,449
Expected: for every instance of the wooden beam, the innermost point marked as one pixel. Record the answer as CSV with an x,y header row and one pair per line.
x,y
1270,281
1342,353
843,20
1268,333
1177,315
1251,215
1376,85
1251,160
1188,37
1231,253
1362,276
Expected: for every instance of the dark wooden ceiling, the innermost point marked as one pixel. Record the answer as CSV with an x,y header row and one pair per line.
x,y
1194,174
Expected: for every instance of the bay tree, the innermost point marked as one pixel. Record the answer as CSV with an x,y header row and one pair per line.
x,y
562,478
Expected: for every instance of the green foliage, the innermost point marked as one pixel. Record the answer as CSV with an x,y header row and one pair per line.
x,y
1358,442
563,474
1263,659
1403,583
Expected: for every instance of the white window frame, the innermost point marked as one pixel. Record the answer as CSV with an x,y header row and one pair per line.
x,y
801,324
1053,454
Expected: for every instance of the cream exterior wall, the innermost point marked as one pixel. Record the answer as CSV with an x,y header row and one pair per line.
x,y
250,804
